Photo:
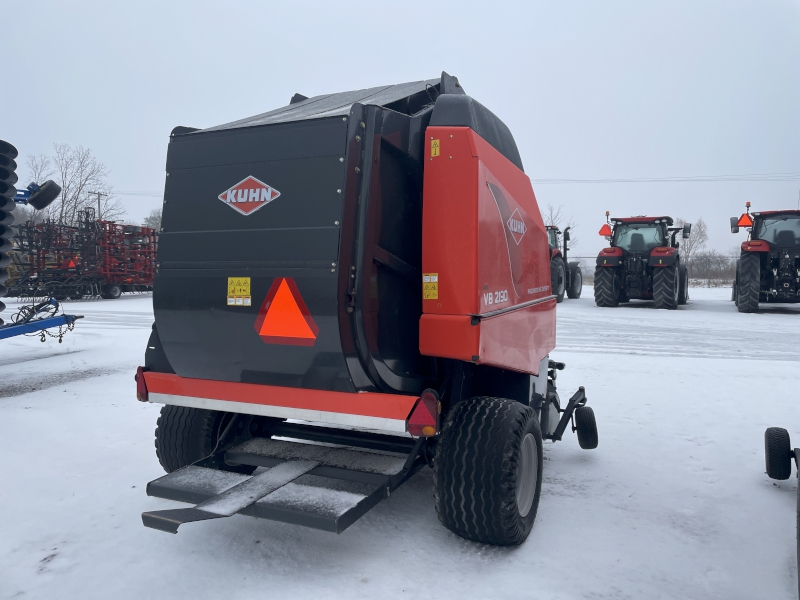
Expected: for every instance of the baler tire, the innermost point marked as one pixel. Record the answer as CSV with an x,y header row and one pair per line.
x,y
777,453
586,427
749,282
666,287
683,293
606,294
576,284
185,435
558,278
479,491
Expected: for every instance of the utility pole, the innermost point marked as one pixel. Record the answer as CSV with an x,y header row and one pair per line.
x,y
99,196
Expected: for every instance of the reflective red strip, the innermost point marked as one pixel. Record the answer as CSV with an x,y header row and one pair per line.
x,y
369,404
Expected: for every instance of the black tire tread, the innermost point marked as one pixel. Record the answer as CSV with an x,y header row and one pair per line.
x,y
777,453
572,293
557,263
604,287
475,470
586,427
664,287
749,283
683,293
184,435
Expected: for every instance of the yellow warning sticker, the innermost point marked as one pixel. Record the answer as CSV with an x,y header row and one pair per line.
x,y
430,286
239,291
434,148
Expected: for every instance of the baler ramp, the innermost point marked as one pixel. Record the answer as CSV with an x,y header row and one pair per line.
x,y
323,487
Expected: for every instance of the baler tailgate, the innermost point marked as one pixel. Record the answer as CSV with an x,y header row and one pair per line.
x,y
322,487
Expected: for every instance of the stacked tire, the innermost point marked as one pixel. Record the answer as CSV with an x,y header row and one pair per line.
x,y
8,177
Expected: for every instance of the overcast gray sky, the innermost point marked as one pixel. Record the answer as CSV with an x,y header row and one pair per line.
x,y
591,90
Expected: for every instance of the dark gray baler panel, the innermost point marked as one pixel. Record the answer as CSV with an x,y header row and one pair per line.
x,y
205,241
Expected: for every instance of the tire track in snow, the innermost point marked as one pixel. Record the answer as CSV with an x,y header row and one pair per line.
x,y
28,385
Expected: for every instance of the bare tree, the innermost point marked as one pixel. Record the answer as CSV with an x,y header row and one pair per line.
x,y
153,219
83,181
695,243
554,215
40,168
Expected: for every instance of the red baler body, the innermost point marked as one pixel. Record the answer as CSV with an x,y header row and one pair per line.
x,y
485,243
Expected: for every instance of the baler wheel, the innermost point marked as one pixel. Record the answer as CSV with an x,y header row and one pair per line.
x,y
185,435
488,471
558,278
749,286
606,293
666,287
778,453
586,427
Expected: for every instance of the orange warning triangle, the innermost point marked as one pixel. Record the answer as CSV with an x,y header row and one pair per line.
x,y
71,264
745,221
284,317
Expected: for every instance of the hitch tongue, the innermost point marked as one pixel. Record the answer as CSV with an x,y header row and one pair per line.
x,y
578,399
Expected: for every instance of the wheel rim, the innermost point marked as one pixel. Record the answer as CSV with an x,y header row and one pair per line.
x,y
578,282
527,475
561,281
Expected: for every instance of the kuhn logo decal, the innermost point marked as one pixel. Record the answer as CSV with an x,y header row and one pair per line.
x,y
249,195
516,226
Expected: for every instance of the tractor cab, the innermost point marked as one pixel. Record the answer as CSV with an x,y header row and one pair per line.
x,y
552,239
639,238
768,269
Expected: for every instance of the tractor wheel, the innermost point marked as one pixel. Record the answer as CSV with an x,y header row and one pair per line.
x,y
488,471
683,293
112,291
749,282
586,427
606,292
778,453
558,278
666,287
575,283
185,435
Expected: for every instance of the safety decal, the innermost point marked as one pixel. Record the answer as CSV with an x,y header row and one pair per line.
x,y
284,318
430,286
435,147
239,291
247,196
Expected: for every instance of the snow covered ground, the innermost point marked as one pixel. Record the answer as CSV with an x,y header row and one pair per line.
x,y
673,504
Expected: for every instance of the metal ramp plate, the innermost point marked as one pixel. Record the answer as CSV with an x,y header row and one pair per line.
x,y
323,487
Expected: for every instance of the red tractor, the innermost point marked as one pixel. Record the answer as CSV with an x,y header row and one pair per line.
x,y
768,269
642,263
565,276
